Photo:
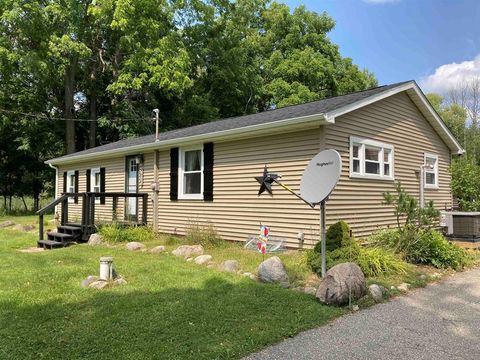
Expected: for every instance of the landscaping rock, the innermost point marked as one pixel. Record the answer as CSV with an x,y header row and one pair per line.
x,y
88,281
376,292
134,246
189,259
403,286
23,228
272,271
119,281
423,277
355,308
334,288
99,284
95,239
203,259
310,290
253,277
6,223
230,266
187,251
157,249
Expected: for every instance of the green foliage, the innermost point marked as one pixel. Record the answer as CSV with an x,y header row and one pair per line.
x,y
424,246
466,184
373,261
406,208
203,234
338,235
118,233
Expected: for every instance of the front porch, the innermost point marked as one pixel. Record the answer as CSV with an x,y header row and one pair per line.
x,y
133,212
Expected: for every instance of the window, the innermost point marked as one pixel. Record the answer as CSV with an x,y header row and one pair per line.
x,y
71,184
95,181
430,162
191,173
370,159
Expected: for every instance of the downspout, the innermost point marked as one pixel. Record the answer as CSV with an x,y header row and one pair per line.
x,y
155,185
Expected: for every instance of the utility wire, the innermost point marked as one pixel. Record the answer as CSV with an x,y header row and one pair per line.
x,y
54,118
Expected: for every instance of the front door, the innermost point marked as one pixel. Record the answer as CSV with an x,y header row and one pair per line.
x,y
131,186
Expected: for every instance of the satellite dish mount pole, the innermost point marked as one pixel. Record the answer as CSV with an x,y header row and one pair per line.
x,y
323,231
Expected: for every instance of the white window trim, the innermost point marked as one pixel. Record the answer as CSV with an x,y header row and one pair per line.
x,y
93,172
181,161
362,174
435,171
69,186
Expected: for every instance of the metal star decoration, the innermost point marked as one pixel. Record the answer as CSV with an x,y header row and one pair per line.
x,y
266,181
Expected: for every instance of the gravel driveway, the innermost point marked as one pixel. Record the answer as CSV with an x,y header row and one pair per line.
x,y
441,321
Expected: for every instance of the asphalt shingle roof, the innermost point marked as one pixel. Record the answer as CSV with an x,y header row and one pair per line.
x,y
288,112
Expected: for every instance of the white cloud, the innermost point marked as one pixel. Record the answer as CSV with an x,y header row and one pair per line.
x,y
380,1
448,76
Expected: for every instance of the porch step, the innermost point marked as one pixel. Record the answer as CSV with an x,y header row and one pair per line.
x,y
65,228
51,244
61,237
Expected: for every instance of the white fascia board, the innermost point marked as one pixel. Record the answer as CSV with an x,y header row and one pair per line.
x,y
439,125
314,120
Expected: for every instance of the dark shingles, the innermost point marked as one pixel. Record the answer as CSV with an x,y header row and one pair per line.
x,y
288,112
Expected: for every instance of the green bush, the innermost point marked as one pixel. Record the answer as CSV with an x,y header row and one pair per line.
x,y
427,247
118,233
374,261
338,235
203,234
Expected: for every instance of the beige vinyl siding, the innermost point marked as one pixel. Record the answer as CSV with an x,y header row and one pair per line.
x,y
395,121
114,182
237,211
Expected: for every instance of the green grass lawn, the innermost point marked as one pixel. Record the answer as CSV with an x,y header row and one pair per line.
x,y
170,309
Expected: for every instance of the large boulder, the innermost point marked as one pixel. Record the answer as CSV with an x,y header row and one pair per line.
x,y
95,239
272,271
134,246
187,251
230,266
334,288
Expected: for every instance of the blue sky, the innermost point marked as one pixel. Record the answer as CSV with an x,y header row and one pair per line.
x,y
435,42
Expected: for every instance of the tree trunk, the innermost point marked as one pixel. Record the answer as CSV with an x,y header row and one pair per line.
x,y
24,204
92,134
69,110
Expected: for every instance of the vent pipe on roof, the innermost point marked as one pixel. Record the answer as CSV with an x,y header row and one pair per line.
x,y
157,120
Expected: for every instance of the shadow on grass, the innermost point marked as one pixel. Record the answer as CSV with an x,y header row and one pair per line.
x,y
217,320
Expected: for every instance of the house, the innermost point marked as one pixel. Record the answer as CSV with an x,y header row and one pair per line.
x,y
205,173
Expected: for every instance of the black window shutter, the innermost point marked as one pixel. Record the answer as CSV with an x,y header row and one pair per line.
x,y
174,174
87,175
75,199
64,182
102,185
208,172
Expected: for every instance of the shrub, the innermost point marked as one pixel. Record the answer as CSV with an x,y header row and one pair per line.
x,y
338,235
373,261
118,233
203,234
426,246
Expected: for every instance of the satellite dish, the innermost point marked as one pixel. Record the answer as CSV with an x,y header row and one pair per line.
x,y
320,176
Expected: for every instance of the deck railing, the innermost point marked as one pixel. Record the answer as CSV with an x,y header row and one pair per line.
x,y
88,206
